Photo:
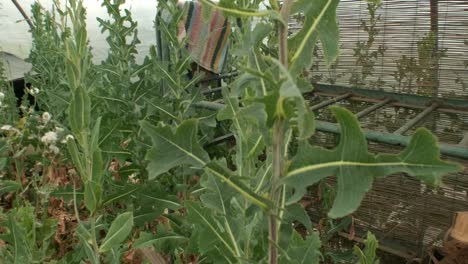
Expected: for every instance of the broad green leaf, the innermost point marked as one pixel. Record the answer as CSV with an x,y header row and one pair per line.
x,y
156,195
218,197
295,212
85,240
164,240
9,186
218,194
3,163
253,38
212,234
147,214
320,22
97,166
171,149
120,194
67,194
16,239
95,134
239,12
368,255
233,181
92,195
302,251
248,126
356,168
421,159
77,159
118,231
79,111
290,90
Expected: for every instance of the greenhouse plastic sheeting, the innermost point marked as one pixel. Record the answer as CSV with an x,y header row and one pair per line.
x,y
15,38
14,66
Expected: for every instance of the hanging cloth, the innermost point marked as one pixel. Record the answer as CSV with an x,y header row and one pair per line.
x,y
207,37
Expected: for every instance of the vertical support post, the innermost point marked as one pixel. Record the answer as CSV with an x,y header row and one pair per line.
x,y
25,16
434,7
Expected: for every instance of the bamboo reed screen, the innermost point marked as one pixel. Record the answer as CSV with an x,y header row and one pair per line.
x,y
414,49
404,29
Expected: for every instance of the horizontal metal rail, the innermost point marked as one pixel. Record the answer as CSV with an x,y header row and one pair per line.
x,y
372,108
330,101
376,136
404,100
394,139
416,119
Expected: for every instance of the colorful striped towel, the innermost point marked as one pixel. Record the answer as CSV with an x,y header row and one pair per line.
x,y
207,38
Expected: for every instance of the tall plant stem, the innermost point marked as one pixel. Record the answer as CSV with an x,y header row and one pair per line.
x,y
275,194
94,239
278,143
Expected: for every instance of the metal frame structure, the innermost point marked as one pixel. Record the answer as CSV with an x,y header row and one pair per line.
x,y
380,99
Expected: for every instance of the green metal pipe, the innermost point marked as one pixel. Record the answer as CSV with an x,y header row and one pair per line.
x,y
381,137
394,139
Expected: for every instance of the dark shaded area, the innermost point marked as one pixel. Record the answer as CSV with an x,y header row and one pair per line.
x,y
19,87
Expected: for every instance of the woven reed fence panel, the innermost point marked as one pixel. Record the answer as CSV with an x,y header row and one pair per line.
x,y
403,54
401,209
403,27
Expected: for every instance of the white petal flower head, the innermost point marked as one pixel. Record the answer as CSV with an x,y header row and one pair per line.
x,y
6,128
54,149
49,137
46,117
68,137
2,95
35,91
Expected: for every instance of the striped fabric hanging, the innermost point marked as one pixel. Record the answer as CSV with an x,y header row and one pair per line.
x,y
207,37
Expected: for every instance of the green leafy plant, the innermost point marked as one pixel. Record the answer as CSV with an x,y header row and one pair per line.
x,y
420,72
365,53
368,255
146,176
270,113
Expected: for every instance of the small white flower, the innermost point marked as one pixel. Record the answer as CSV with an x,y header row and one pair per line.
x,y
133,178
49,137
6,127
35,91
46,117
68,137
54,149
58,129
2,95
